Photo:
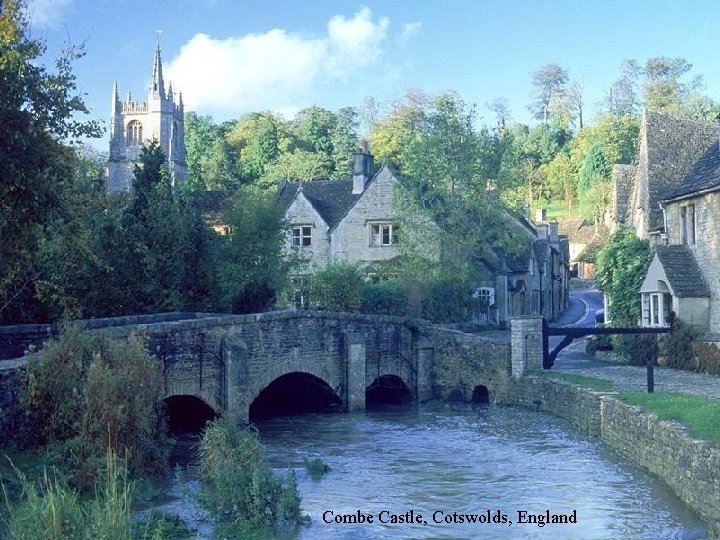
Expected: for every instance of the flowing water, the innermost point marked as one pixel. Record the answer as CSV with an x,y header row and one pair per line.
x,y
447,463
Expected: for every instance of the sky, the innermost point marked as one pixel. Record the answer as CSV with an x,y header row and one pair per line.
x,y
231,57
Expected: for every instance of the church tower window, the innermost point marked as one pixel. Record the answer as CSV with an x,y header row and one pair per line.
x,y
134,133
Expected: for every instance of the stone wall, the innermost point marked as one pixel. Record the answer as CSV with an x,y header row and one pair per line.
x,y
463,361
351,238
691,468
707,244
301,212
623,179
15,340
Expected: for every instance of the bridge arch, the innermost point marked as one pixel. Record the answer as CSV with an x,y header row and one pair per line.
x,y
187,413
387,389
295,392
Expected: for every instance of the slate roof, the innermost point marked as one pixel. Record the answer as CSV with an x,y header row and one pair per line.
x,y
331,198
705,174
682,272
578,231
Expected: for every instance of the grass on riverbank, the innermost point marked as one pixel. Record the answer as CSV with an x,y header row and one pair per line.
x,y
593,383
701,416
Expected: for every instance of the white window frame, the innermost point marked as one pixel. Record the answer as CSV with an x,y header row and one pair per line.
x,y
301,236
656,307
382,234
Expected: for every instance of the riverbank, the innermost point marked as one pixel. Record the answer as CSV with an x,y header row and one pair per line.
x,y
690,467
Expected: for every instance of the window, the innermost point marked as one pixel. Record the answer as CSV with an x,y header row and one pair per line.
x,y
302,236
656,309
384,234
134,133
687,224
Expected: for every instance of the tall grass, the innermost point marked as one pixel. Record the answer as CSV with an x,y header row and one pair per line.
x,y
49,509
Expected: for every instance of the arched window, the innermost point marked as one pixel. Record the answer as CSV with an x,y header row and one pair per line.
x,y
134,133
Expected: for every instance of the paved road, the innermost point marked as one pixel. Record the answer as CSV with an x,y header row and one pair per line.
x,y
573,359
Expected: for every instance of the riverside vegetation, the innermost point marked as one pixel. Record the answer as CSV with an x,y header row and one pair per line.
x,y
96,432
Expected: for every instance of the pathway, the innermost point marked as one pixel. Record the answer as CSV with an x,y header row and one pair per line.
x,y
574,360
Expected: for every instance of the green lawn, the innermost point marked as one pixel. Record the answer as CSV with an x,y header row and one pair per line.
x,y
701,416
593,383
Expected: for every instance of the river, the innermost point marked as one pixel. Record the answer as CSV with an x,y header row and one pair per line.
x,y
439,462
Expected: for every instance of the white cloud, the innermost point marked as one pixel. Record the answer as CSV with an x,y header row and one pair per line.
x,y
48,13
276,69
410,29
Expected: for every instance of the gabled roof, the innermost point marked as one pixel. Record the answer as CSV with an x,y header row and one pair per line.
x,y
682,272
578,230
330,198
704,175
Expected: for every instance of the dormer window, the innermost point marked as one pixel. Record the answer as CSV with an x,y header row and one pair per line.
x,y
302,236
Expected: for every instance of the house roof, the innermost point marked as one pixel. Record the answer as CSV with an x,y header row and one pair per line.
x,y
578,231
682,271
704,175
331,198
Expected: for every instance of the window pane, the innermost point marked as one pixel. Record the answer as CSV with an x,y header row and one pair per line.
x,y
386,235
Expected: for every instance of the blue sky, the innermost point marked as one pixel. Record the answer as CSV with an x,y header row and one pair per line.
x,y
230,57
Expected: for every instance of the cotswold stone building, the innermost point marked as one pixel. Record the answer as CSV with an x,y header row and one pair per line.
x,y
672,197
136,123
354,220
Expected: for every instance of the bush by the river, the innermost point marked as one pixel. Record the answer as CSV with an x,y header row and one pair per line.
x,y
240,492
89,394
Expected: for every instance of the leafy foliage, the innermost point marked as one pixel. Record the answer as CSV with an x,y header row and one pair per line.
x,y
253,266
240,492
93,395
677,346
338,286
38,109
620,268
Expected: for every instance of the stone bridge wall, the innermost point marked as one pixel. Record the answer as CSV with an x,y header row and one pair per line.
x,y
227,360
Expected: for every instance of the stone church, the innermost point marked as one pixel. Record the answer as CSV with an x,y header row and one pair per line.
x,y
135,123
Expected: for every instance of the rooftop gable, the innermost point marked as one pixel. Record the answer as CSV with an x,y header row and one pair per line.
x,y
682,272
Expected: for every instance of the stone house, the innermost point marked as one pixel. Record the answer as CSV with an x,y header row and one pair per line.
x,y
684,275
354,220
670,196
584,242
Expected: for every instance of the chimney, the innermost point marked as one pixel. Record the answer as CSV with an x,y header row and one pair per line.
x,y
542,231
554,230
363,170
540,215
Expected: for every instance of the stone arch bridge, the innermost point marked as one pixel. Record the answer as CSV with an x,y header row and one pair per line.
x,y
228,360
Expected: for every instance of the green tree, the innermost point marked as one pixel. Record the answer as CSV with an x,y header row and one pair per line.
x,y
550,83
595,169
253,264
39,109
259,139
338,286
211,161
620,270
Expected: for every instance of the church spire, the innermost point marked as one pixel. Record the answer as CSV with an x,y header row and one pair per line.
x,y
115,99
157,85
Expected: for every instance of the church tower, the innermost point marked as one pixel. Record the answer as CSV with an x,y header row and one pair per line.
x,y
135,123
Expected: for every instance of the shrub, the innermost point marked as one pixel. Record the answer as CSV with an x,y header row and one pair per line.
x,y
87,394
240,491
708,357
338,286
677,346
384,298
316,468
638,349
598,343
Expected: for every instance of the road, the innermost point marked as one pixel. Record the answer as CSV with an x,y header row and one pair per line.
x,y
581,312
